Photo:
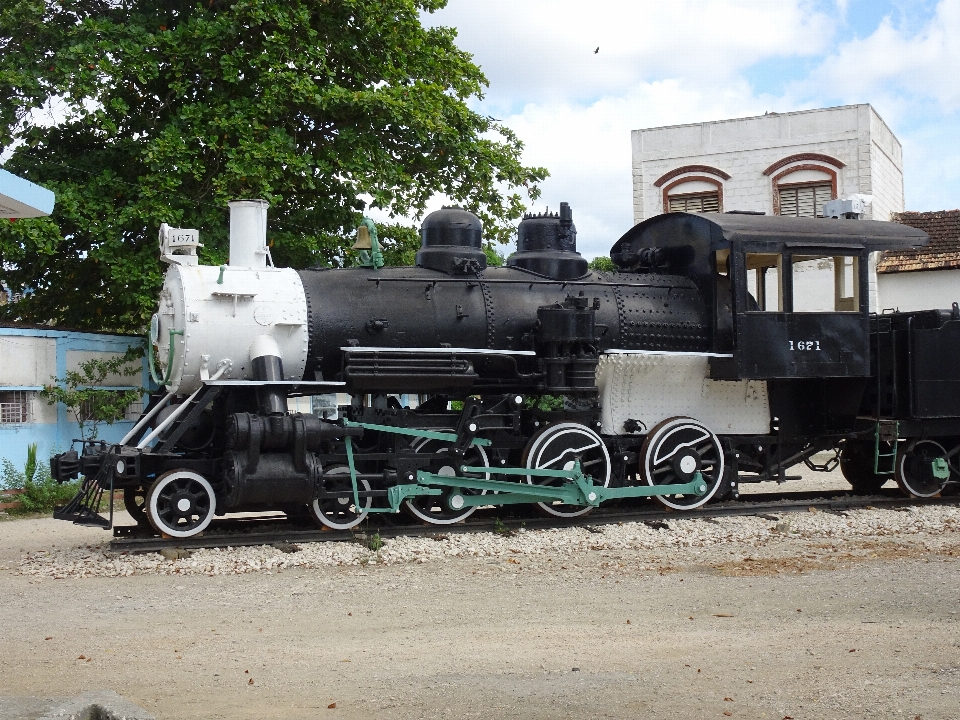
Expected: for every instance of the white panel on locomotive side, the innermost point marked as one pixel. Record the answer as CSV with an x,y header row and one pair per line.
x,y
650,387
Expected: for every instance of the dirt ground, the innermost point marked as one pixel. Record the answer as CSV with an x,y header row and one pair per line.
x,y
799,628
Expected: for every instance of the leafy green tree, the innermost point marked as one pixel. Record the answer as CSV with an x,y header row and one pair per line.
x,y
165,110
80,390
602,263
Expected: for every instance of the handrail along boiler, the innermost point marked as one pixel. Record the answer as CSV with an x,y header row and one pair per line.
x,y
690,368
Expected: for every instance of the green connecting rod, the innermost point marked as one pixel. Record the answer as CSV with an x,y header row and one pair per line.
x,y
578,489
398,493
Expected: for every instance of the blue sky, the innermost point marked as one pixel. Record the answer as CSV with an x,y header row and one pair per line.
x,y
698,60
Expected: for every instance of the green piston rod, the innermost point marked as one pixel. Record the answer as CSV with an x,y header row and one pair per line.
x,y
578,489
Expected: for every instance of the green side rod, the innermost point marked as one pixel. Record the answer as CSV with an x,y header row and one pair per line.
x,y
348,445
578,490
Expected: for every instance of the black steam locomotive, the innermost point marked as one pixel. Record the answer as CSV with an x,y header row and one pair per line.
x,y
689,369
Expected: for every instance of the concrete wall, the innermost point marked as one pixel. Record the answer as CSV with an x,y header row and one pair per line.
x,y
745,147
886,169
921,290
32,358
27,361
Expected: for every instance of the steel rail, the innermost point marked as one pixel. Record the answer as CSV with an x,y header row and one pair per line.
x,y
279,529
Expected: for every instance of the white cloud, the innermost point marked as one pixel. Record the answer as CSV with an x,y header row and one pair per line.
x,y
932,165
543,50
892,63
587,148
685,61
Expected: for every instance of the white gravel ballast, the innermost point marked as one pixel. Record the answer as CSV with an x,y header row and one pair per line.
x,y
635,543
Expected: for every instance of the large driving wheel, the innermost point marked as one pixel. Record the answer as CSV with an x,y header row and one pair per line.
x,y
857,462
181,503
674,451
914,469
436,509
340,513
558,447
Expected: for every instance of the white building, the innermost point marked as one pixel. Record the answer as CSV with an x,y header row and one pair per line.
x,y
778,164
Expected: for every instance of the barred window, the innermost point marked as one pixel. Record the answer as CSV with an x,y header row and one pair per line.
x,y
804,200
14,407
131,412
134,411
695,202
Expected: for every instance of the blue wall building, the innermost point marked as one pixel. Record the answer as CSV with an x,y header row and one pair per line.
x,y
31,357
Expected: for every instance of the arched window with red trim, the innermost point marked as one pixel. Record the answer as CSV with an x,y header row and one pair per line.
x,y
693,188
802,183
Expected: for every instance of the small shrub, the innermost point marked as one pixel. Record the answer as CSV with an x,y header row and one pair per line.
x,y
30,470
41,493
375,542
546,403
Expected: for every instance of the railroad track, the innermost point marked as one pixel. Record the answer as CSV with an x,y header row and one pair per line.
x,y
237,532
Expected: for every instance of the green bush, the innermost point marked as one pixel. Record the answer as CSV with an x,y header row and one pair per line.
x,y
41,493
546,403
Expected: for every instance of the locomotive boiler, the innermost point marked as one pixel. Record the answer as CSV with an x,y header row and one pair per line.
x,y
689,369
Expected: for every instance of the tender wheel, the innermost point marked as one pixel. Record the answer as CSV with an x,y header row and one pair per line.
x,y
340,513
434,509
857,462
135,503
674,451
914,472
558,447
180,503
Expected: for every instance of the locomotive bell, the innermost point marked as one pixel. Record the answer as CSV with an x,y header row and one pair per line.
x,y
547,246
363,239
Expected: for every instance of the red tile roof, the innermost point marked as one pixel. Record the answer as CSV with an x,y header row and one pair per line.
x,y
943,252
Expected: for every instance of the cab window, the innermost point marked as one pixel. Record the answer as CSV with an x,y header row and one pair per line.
x,y
819,283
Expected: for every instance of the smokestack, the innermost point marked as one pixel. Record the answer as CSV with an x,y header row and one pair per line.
x,y
248,233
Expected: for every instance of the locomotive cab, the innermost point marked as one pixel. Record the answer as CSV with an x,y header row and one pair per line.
x,y
770,320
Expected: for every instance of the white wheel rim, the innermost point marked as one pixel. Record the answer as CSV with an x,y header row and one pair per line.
x,y
535,461
153,510
325,520
653,456
433,520
905,484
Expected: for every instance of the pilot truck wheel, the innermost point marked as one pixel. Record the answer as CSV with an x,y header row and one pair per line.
x,y
180,503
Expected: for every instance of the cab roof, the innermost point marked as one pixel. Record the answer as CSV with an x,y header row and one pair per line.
x,y
708,232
